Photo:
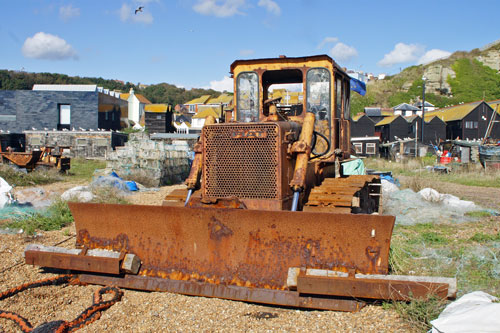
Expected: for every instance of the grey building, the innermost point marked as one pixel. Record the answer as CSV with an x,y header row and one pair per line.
x,y
60,107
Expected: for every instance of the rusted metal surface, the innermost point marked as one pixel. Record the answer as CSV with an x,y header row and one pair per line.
x,y
257,295
250,162
73,262
402,290
54,159
23,160
235,246
298,182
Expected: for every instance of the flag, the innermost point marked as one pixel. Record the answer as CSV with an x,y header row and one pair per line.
x,y
358,86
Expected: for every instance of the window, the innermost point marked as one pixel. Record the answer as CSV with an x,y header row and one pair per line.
x,y
64,116
345,97
358,147
106,115
158,117
112,116
247,86
338,97
471,124
318,93
370,149
318,101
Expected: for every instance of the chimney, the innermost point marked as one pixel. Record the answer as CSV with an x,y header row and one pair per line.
x,y
131,91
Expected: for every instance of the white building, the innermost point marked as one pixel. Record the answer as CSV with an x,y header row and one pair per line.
x,y
136,104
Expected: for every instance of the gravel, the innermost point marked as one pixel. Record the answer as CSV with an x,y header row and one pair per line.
x,y
159,311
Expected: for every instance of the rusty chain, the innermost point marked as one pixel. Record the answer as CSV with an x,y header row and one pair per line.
x,y
88,316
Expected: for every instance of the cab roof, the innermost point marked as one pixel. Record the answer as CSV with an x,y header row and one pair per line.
x,y
286,60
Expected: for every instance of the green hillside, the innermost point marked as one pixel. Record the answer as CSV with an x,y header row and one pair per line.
x,y
474,81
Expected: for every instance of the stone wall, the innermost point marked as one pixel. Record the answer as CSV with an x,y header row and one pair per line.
x,y
151,162
86,144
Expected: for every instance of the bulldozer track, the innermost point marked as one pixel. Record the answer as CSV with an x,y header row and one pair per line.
x,y
352,194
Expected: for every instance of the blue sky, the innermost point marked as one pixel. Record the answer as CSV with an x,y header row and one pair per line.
x,y
192,43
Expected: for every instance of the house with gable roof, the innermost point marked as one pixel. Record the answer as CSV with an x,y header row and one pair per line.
x,y
136,104
405,109
193,104
198,120
467,121
158,118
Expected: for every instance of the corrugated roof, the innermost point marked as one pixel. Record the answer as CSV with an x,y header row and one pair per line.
x,y
210,111
452,113
160,108
200,100
65,87
140,97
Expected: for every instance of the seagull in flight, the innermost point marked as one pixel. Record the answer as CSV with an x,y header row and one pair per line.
x,y
139,9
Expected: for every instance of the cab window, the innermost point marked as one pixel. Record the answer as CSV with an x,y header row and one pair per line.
x,y
338,97
318,93
248,97
318,96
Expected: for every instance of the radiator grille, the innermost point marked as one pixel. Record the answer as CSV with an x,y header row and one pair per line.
x,y
241,167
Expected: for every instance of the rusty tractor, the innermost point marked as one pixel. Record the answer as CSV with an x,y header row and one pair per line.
x,y
268,215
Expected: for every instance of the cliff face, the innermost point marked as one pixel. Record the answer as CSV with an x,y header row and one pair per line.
x,y
437,76
490,58
438,71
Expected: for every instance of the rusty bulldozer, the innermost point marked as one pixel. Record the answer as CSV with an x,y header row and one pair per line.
x,y
267,217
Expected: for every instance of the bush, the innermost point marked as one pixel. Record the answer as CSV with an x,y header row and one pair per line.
x,y
54,217
15,177
420,312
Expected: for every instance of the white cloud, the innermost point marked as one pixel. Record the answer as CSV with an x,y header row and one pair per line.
x,y
225,84
327,40
432,55
246,53
402,53
270,6
47,46
68,12
127,14
343,52
219,8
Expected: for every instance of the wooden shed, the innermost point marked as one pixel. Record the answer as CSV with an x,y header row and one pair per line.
x,y
393,128
362,126
158,118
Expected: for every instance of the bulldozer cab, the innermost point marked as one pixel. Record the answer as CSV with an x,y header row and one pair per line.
x,y
295,86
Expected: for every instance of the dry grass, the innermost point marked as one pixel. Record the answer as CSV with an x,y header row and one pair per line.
x,y
470,175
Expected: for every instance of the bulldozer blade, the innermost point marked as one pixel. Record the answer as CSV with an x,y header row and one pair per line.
x,y
240,247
